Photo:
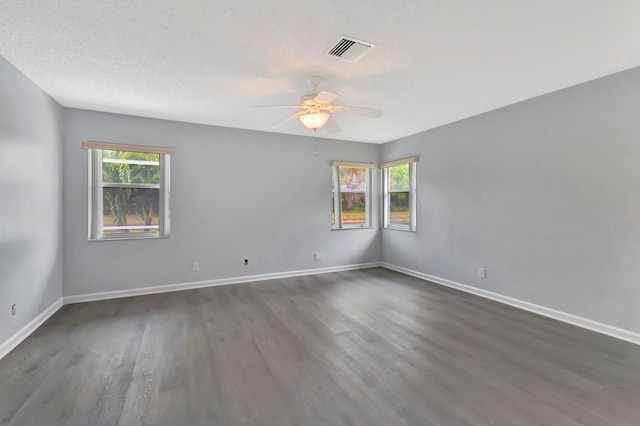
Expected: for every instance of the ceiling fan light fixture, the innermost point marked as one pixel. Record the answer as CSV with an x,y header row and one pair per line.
x,y
314,120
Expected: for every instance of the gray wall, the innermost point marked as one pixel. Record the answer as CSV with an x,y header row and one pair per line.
x,y
30,200
545,194
235,194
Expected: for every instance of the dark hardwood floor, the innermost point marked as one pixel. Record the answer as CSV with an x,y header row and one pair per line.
x,y
369,347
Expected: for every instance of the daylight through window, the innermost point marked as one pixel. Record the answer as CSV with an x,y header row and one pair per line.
x,y
128,191
399,182
351,195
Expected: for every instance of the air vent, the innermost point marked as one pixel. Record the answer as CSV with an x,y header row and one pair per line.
x,y
349,49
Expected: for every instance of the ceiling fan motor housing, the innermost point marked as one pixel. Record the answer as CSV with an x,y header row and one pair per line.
x,y
309,97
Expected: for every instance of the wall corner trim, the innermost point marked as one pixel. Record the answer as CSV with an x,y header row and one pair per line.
x,y
13,341
588,324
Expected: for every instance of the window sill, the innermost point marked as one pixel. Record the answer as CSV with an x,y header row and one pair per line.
x,y
397,229
352,227
141,237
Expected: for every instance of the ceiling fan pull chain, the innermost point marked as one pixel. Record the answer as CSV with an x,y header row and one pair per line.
x,y
315,145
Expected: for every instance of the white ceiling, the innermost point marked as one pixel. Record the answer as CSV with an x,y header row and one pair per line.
x,y
209,62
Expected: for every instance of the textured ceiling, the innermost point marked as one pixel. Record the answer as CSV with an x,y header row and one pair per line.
x,y
209,62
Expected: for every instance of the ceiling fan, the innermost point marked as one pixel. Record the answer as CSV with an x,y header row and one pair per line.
x,y
315,108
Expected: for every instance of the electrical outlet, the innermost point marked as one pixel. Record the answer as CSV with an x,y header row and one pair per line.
x,y
13,310
246,261
482,273
316,256
195,267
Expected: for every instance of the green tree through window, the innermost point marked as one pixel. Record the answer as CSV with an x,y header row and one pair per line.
x,y
399,194
122,200
129,188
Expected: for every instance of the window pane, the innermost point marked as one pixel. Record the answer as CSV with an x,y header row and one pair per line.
x,y
130,210
354,209
399,177
399,208
130,167
353,178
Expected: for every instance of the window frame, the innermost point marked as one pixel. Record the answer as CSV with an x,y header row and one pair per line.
x,y
387,191
96,190
337,194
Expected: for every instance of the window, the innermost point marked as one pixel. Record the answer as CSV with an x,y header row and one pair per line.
x,y
351,195
399,180
128,191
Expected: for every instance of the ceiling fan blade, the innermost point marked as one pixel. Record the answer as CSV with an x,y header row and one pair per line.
x,y
325,97
278,106
332,127
289,118
364,112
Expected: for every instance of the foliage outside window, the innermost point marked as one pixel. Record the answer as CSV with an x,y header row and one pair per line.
x,y
351,195
400,194
128,191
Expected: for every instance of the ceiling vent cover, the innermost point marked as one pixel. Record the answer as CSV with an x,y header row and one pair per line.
x,y
350,49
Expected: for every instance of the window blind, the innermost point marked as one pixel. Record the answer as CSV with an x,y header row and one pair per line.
x,y
353,164
398,162
125,147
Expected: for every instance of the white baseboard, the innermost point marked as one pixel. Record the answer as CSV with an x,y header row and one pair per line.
x,y
588,324
598,327
90,297
29,328
33,325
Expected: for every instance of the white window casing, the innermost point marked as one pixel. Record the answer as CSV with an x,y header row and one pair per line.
x,y
96,227
341,190
388,219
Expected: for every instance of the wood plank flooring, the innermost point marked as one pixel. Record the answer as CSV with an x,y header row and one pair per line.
x,y
368,347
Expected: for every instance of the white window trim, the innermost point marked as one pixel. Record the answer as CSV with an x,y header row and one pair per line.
x,y
96,185
413,193
337,193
